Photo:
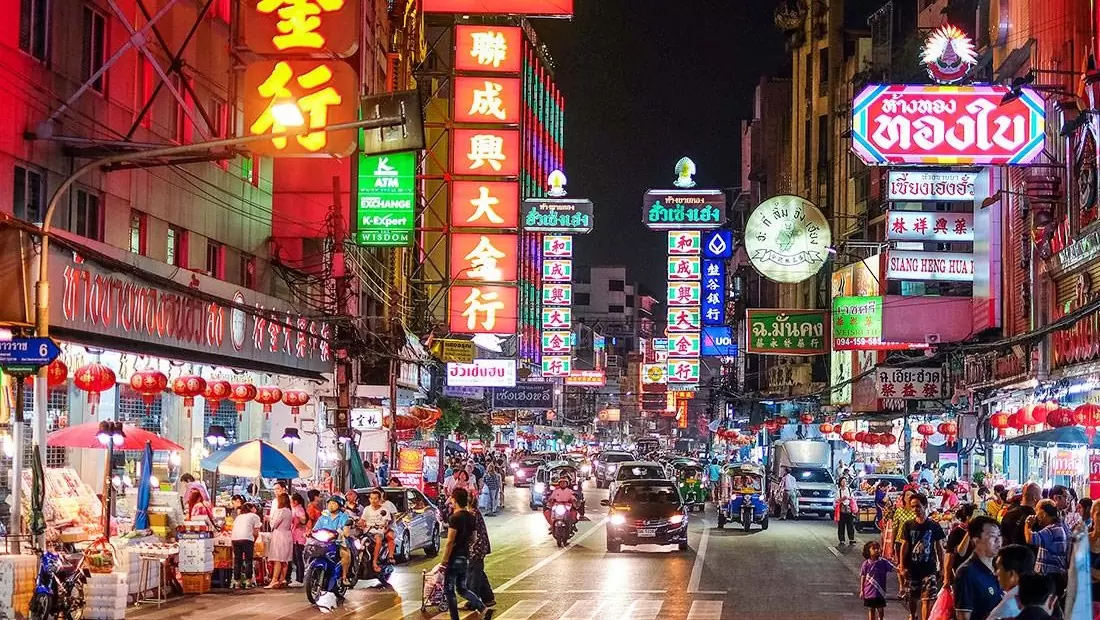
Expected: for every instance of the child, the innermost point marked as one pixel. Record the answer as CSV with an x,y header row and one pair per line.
x,y
246,526
873,580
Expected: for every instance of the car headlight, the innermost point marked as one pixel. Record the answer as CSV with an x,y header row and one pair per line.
x,y
611,467
560,510
586,468
675,519
324,535
540,487
617,519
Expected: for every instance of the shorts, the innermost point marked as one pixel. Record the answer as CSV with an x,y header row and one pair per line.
x,y
924,588
875,603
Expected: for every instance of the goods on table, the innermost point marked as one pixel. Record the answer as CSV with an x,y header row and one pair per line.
x,y
99,557
73,512
17,575
106,595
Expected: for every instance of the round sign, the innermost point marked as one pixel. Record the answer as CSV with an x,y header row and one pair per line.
x,y
239,319
655,373
787,239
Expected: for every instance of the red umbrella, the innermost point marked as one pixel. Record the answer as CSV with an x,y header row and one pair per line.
x,y
84,436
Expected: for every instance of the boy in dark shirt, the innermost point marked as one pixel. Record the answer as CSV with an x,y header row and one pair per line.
x,y
921,557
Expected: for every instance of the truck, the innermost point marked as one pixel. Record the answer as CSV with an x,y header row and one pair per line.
x,y
809,461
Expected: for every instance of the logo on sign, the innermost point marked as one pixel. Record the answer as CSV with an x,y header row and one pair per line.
x,y
718,244
718,342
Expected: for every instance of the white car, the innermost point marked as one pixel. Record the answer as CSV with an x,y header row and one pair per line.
x,y
636,470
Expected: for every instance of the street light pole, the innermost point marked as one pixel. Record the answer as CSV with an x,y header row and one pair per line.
x,y
42,285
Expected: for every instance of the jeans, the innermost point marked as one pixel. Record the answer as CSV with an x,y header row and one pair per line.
x,y
494,499
297,564
243,552
456,581
478,581
846,523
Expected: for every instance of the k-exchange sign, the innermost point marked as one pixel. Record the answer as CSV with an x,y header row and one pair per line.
x,y
387,199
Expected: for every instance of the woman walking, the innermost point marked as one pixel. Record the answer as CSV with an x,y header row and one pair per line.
x,y
299,527
282,541
845,513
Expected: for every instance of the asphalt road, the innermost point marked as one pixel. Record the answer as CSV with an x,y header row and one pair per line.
x,y
793,571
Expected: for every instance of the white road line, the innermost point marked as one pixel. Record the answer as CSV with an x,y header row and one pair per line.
x,y
721,592
705,610
522,610
550,558
833,550
398,611
617,591
645,609
697,568
837,593
583,610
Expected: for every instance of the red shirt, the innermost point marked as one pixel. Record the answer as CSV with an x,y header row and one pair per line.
x,y
313,513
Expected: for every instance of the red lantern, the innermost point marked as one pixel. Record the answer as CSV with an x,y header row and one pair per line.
x,y
756,428
1060,418
267,396
1043,410
242,393
150,384
771,424
215,392
1015,422
94,379
57,373
861,437
849,436
1089,414
999,421
1026,415
826,429
782,420
949,430
870,439
925,430
295,399
806,418
888,439
188,386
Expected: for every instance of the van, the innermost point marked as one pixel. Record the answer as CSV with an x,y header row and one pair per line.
x,y
809,462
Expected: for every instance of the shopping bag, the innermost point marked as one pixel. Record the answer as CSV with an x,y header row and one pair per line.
x,y
944,609
434,597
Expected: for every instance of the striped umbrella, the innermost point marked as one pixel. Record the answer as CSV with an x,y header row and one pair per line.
x,y
256,459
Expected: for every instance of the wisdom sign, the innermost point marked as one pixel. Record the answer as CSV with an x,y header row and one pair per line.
x,y
946,125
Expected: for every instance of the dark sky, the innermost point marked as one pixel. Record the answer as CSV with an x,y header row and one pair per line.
x,y
645,83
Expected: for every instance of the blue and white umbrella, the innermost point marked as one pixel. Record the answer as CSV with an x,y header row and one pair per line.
x,y
256,459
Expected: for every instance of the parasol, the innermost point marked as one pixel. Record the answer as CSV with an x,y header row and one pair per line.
x,y
256,459
38,494
84,436
141,517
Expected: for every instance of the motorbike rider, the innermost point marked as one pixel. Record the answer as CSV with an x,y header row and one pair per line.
x,y
335,518
562,494
377,522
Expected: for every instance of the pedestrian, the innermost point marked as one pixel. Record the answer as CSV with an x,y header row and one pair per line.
x,y
299,526
921,556
1044,531
462,528
957,547
281,548
995,504
493,482
845,512
1012,562
246,528
384,472
1084,509
477,580
1012,524
872,576
1094,557
976,587
314,508
1037,598
790,495
949,497
280,490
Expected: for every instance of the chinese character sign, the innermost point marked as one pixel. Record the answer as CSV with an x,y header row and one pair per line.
x,y
485,204
914,383
557,246
857,323
488,49
683,370
485,152
322,28
489,257
685,293
685,243
487,100
684,268
557,294
934,226
787,332
326,93
714,292
557,270
684,312
487,309
557,365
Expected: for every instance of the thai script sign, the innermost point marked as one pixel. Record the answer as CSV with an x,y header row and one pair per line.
x,y
857,323
482,373
909,383
939,186
930,266
932,226
787,238
557,215
524,396
787,332
681,209
946,125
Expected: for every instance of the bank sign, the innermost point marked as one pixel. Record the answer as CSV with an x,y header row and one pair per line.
x,y
946,125
386,212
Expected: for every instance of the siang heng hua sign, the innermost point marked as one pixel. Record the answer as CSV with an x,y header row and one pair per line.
x,y
96,301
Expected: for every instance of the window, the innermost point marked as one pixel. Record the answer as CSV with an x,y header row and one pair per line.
x,y
220,10
183,130
143,90
582,299
177,247
95,47
615,309
808,76
33,26
86,218
823,70
629,301
822,143
248,271
215,258
250,170
138,232
219,112
616,285
28,194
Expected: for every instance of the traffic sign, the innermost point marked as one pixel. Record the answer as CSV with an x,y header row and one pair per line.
x,y
26,352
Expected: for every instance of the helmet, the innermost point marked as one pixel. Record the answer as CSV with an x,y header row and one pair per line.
x,y
563,481
338,499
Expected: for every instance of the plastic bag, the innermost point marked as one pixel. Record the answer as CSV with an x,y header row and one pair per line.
x,y
433,588
944,609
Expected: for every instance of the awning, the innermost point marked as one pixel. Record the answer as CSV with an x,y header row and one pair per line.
x,y
1065,436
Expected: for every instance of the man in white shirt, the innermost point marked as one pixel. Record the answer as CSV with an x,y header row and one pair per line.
x,y
376,521
1011,562
790,493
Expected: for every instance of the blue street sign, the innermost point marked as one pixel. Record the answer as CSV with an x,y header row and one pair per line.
x,y
28,352
718,342
718,244
714,292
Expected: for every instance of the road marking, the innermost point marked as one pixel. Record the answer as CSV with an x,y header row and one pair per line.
x,y
550,558
705,610
616,591
398,611
522,610
837,593
646,609
697,568
721,592
583,610
833,550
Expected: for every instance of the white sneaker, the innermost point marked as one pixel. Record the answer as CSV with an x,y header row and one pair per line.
x,y
294,584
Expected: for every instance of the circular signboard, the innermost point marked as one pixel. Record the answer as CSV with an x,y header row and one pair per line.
x,y
787,239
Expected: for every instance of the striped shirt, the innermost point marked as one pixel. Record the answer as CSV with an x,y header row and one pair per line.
x,y
1053,543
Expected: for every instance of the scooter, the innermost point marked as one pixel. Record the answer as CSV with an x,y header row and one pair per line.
x,y
563,525
363,561
59,589
324,573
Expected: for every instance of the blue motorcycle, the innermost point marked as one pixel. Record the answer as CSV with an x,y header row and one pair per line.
x,y
324,573
59,589
744,502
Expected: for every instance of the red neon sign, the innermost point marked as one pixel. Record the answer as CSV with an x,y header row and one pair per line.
x,y
488,204
485,309
487,100
488,49
490,258
558,8
485,152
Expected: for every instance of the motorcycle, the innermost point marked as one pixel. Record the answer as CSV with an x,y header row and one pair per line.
x,y
363,560
59,589
324,573
562,523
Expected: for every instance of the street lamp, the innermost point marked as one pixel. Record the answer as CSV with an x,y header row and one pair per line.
x,y
216,436
291,437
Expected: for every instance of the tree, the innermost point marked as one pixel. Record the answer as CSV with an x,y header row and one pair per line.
x,y
455,418
568,439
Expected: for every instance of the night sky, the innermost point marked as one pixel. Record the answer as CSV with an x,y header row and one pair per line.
x,y
647,82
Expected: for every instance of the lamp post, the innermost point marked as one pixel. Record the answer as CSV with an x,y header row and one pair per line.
x,y
286,112
291,437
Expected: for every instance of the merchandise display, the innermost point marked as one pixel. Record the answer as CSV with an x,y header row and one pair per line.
x,y
17,575
106,596
73,511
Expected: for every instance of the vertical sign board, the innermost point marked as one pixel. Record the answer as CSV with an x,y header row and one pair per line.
x,y
714,292
557,340
684,306
386,211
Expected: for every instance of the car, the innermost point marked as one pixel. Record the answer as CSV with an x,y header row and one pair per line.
x,y
636,470
607,465
416,525
523,470
646,512
816,492
581,462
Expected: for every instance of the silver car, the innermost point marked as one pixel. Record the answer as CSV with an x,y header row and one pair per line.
x,y
416,525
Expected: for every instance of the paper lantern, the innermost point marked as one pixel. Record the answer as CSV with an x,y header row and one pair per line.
x,y
242,393
295,399
771,424
57,373
756,428
1042,411
267,396
949,430
1015,422
1060,418
188,386
1026,415
215,392
849,436
150,384
999,421
888,439
782,420
806,418
925,430
1089,414
861,437
405,422
94,379
826,428
870,439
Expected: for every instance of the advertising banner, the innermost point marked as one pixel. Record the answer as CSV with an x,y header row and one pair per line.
x,y
934,226
557,215
914,185
593,378
683,209
524,396
787,332
914,383
544,8
387,199
718,342
653,374
857,323
787,239
482,373
930,266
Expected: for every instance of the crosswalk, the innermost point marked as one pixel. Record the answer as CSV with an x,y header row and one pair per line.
x,y
542,609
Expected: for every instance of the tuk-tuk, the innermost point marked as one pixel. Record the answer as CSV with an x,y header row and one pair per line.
x,y
546,480
743,496
689,479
